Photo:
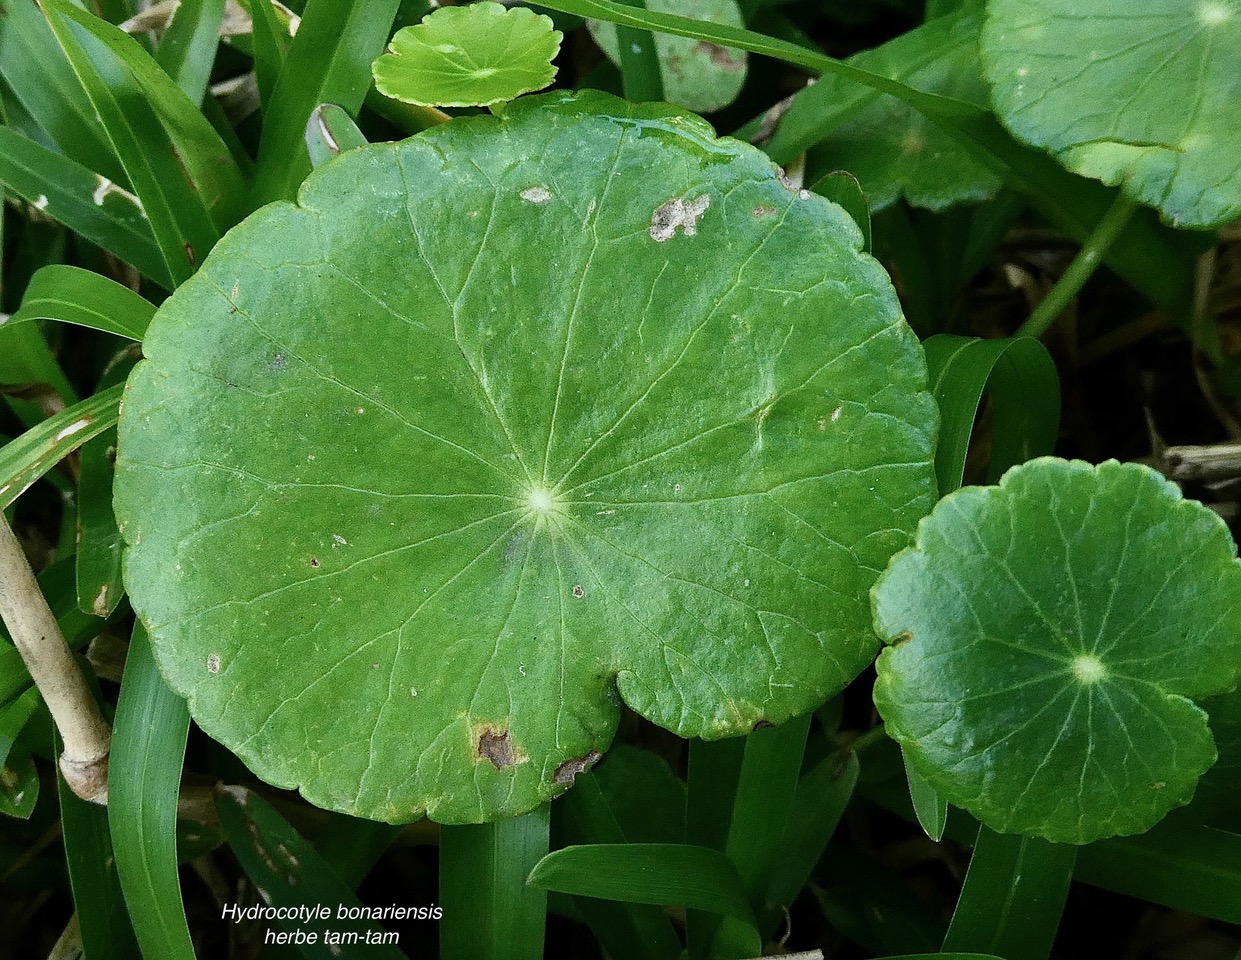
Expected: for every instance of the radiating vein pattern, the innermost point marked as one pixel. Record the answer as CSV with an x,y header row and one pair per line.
x,y
426,474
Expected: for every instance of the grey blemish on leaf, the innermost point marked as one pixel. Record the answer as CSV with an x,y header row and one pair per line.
x,y
567,771
536,194
213,663
677,212
578,591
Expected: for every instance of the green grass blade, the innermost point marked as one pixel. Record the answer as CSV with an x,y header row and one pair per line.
x,y
329,61
73,295
639,63
83,201
180,220
819,803
144,780
1013,896
765,789
622,929
490,911
713,774
271,47
25,358
13,719
35,67
1185,866
1022,380
187,51
97,898
30,456
291,874
329,132
100,586
930,808
663,874
206,164
352,846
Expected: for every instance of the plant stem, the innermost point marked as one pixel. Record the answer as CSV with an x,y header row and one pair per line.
x,y
37,636
1080,270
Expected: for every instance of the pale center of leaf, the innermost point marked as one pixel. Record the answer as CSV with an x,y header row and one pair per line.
x,y
1213,14
1088,668
541,501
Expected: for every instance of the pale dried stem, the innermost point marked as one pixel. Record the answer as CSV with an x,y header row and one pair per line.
x,y
86,735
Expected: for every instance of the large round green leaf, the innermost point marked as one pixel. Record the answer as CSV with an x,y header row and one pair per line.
x,y
1048,639
505,424
1142,94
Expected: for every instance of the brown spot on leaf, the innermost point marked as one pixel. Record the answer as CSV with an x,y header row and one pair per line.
x,y
497,746
190,256
578,591
721,56
763,725
314,562
1158,785
901,638
213,663
567,771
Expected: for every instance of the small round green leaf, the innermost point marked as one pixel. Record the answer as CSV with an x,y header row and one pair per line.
x,y
507,423
471,56
697,75
1143,95
1048,638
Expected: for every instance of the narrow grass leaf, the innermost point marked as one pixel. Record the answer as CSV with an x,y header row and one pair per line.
x,y
351,846
25,358
491,912
1025,389
1013,896
271,46
1182,865
86,299
35,67
205,161
144,780
622,929
178,213
764,798
97,899
86,202
329,132
13,720
329,61
639,61
713,774
30,456
187,50
99,547
663,874
930,808
290,873
819,803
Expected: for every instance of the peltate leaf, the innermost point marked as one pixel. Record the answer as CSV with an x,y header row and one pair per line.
x,y
696,74
472,56
505,424
1048,639
1143,96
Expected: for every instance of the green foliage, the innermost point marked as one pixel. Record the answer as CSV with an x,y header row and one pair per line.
x,y
696,74
442,457
1142,98
1110,605
552,500
477,55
